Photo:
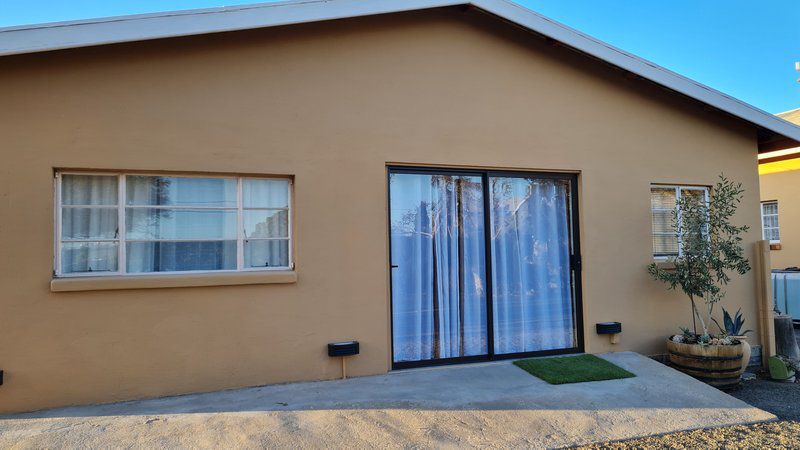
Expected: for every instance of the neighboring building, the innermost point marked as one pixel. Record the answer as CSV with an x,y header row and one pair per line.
x,y
203,200
780,201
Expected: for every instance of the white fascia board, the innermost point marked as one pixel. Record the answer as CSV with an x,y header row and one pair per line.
x,y
112,30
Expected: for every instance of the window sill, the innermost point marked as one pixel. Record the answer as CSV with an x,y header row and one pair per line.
x,y
155,281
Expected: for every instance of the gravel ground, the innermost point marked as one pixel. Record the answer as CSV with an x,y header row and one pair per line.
x,y
781,399
784,434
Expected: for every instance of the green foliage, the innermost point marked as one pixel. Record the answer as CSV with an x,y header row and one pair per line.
x,y
711,247
733,325
790,364
781,367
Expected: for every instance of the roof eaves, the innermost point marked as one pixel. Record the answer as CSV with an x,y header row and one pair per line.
x,y
140,27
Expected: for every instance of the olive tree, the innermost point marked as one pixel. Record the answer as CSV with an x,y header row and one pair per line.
x,y
710,249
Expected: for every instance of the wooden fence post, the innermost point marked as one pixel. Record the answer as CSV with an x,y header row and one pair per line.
x,y
766,328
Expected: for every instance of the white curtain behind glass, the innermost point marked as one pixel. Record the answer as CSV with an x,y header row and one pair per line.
x,y
266,222
438,288
531,280
89,223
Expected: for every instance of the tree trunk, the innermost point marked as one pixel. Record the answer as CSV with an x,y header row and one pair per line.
x,y
785,341
694,315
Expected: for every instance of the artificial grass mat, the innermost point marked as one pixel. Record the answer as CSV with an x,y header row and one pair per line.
x,y
572,369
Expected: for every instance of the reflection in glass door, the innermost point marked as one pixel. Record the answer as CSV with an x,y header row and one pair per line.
x,y
484,265
438,274
531,276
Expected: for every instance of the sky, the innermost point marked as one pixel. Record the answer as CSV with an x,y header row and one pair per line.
x,y
745,48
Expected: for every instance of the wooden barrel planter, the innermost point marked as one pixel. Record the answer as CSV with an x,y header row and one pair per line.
x,y
718,365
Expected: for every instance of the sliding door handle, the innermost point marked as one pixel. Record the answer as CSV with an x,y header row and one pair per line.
x,y
394,266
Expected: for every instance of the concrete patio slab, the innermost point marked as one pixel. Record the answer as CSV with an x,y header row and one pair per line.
x,y
487,405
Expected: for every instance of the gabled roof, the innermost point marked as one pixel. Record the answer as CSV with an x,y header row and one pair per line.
x,y
792,116
792,154
774,133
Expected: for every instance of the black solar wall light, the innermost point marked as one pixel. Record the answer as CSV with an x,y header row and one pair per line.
x,y
343,350
612,329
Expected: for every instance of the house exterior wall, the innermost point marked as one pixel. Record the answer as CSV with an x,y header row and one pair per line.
x,y
784,186
332,105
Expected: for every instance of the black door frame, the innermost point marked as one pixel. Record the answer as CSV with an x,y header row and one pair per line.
x,y
574,261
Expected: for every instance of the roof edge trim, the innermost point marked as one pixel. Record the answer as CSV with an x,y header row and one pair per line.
x,y
141,27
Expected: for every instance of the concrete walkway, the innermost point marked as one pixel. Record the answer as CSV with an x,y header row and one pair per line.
x,y
486,405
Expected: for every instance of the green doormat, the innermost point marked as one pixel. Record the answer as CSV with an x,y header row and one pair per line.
x,y
572,369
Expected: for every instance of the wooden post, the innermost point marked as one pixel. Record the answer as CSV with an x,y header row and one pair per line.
x,y
766,328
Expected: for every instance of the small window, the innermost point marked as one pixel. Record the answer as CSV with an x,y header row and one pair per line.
x,y
769,222
663,202
118,224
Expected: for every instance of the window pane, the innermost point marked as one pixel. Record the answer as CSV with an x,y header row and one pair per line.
x,y
662,198
180,256
770,208
88,190
531,279
149,223
266,223
89,223
697,193
269,253
265,193
662,222
88,257
180,191
665,245
772,234
439,257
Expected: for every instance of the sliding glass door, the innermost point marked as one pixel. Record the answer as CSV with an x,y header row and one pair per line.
x,y
439,274
483,265
533,308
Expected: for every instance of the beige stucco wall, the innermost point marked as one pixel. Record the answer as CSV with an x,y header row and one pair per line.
x,y
785,188
331,104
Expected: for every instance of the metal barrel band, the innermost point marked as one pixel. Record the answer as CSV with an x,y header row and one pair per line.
x,y
697,369
706,358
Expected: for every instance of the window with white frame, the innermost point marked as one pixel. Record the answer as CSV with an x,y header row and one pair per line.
x,y
118,224
769,221
663,203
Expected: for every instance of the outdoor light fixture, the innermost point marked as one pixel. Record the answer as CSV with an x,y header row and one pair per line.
x,y
612,329
343,350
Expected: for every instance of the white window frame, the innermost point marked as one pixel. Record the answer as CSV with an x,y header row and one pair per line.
x,y
121,256
777,217
678,191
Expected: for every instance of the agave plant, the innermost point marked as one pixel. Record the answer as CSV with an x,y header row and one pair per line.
x,y
733,325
